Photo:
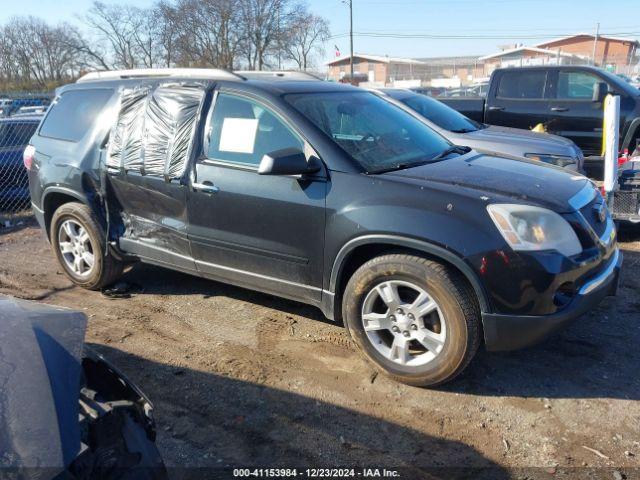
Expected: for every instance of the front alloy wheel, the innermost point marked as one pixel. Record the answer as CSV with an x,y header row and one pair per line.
x,y
416,319
404,323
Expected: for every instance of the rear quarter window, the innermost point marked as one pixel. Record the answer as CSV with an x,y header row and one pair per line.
x,y
73,114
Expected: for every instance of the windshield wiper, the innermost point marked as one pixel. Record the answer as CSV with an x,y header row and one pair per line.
x,y
400,166
452,149
465,130
403,166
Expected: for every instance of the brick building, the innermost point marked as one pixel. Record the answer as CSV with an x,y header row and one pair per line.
x,y
375,69
522,56
613,52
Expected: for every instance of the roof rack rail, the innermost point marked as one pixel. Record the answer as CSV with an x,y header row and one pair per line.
x,y
284,74
199,73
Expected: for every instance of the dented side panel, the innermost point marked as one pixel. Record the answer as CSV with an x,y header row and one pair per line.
x,y
148,153
154,216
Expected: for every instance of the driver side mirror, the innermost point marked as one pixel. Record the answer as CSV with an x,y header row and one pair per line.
x,y
600,91
288,161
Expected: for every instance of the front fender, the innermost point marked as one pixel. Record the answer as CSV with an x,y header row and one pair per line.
x,y
413,244
632,132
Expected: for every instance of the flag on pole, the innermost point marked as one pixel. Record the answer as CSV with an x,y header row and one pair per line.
x,y
337,51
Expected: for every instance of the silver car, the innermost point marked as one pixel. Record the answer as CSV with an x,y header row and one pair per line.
x,y
491,139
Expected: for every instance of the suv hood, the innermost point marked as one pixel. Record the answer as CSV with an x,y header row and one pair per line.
x,y
519,181
526,140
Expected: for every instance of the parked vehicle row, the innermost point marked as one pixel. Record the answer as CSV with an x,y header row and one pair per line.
x,y
475,90
490,139
15,133
11,106
326,194
567,100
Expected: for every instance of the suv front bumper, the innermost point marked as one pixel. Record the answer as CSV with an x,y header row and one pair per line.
x,y
512,332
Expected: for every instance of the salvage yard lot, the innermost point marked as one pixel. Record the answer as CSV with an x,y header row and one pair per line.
x,y
245,379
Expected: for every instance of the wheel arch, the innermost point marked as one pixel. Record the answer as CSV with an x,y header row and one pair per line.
x,y
633,133
54,197
360,250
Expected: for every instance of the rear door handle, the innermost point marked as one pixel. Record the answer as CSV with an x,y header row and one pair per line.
x,y
205,187
495,108
559,109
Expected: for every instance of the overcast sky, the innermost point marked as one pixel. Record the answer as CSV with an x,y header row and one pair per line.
x,y
522,21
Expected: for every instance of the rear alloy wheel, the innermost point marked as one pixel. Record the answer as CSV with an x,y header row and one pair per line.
x,y
76,248
78,241
414,318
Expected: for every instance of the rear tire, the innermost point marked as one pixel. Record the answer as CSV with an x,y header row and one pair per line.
x,y
417,320
78,240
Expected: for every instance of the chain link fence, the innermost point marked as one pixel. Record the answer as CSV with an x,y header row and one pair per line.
x,y
20,114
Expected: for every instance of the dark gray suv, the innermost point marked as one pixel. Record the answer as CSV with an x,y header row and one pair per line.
x,y
325,194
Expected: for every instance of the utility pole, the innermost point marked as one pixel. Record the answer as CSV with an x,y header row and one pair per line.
x,y
595,42
351,37
350,3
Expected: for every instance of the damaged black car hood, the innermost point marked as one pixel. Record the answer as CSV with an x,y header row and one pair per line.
x,y
493,176
40,367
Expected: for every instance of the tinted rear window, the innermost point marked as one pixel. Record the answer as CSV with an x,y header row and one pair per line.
x,y
522,84
71,116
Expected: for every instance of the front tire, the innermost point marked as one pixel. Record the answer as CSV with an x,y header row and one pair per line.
x,y
78,241
416,319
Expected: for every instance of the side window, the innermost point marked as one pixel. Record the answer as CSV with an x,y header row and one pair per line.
x,y
243,131
576,85
154,130
73,114
125,140
522,84
169,125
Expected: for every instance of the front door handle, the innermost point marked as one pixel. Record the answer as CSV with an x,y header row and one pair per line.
x,y
495,108
205,187
559,109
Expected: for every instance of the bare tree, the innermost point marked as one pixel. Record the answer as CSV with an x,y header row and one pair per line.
x,y
89,54
113,24
167,31
210,33
195,33
34,52
306,36
265,25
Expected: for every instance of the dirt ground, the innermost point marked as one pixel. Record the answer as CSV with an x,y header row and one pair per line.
x,y
244,379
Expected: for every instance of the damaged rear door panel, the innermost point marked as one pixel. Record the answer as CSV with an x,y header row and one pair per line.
x,y
150,146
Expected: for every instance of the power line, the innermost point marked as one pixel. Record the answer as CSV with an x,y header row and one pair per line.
x,y
471,37
515,29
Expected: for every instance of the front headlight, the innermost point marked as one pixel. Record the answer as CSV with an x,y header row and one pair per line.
x,y
530,228
559,160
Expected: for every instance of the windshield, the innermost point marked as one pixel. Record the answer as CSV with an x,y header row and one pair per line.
x,y
375,133
439,113
621,84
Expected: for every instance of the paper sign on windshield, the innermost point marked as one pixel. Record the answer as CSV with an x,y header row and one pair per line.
x,y
238,135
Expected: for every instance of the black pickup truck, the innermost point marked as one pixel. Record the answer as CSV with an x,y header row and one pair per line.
x,y
567,100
